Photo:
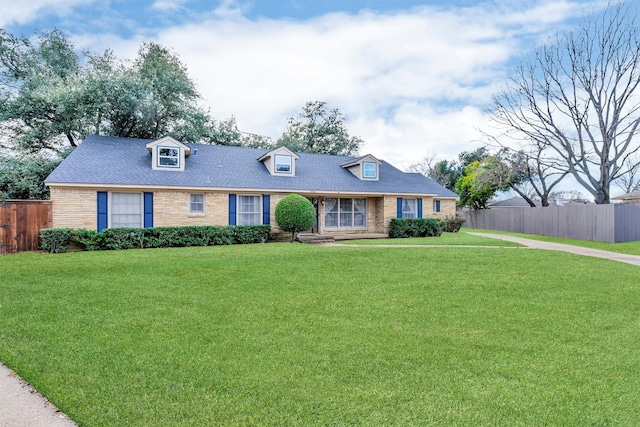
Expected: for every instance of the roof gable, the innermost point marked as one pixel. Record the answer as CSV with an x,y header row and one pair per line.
x,y
168,154
280,162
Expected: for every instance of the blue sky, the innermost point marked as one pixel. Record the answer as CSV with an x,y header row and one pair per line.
x,y
412,77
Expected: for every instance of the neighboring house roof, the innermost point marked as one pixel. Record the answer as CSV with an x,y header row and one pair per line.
x,y
105,160
634,195
514,202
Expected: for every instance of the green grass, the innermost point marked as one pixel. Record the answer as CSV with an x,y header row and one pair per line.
x,y
631,248
290,334
461,238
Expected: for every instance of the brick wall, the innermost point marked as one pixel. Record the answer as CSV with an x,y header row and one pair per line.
x,y
74,208
77,208
171,208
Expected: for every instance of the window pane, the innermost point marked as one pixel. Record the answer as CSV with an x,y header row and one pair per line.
x,y
369,170
359,212
196,203
331,212
331,220
409,209
168,161
283,163
126,210
346,205
168,157
249,210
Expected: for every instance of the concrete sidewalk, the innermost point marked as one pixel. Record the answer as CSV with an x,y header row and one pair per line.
x,y
22,406
538,244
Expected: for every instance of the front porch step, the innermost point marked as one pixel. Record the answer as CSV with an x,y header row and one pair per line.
x,y
315,238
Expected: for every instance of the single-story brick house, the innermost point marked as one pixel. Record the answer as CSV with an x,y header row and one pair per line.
x,y
124,182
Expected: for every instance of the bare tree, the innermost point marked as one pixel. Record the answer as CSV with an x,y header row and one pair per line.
x,y
630,180
576,98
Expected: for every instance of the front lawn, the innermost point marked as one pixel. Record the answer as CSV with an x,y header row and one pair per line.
x,y
461,238
291,334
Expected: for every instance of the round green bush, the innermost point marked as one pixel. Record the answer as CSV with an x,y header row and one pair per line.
x,y
295,213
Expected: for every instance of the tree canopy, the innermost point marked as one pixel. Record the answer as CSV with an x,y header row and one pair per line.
x,y
51,97
319,130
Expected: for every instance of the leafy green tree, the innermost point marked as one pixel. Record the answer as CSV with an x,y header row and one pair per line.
x,y
478,184
319,130
23,178
295,213
447,172
51,97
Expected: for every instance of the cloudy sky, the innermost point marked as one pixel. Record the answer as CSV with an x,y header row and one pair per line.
x,y
412,77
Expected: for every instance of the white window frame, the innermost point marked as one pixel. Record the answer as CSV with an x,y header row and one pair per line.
x,y
412,204
339,212
176,157
192,203
239,213
288,163
110,205
365,171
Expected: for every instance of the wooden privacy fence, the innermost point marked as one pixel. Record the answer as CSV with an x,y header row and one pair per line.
x,y
601,223
20,224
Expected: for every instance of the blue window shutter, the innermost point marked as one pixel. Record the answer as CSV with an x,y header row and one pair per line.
x,y
266,208
148,210
232,209
420,207
399,215
437,205
103,210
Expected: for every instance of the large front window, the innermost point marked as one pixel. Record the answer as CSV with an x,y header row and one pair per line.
x,y
409,208
249,210
345,213
126,210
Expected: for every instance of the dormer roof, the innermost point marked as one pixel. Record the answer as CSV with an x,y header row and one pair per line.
x,y
280,162
168,154
366,168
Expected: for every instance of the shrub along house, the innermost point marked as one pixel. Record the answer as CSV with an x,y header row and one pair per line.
x,y
110,182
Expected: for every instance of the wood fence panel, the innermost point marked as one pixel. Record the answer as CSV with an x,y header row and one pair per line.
x,y
21,222
602,223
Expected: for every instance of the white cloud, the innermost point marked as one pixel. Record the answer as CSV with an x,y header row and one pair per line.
x,y
410,83
168,5
21,12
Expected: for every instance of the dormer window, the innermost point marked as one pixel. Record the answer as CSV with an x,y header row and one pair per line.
x,y
280,162
369,170
168,157
365,168
283,163
167,154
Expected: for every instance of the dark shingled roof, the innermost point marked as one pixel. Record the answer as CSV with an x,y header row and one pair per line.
x,y
106,160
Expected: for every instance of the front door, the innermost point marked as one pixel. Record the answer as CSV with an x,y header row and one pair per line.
x,y
314,200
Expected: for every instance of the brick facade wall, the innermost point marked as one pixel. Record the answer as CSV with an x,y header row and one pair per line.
x,y
171,208
74,208
77,208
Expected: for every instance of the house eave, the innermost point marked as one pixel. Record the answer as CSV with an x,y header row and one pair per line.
x,y
240,190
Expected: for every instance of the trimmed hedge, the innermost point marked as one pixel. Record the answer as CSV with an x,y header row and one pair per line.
x,y
57,240
415,227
